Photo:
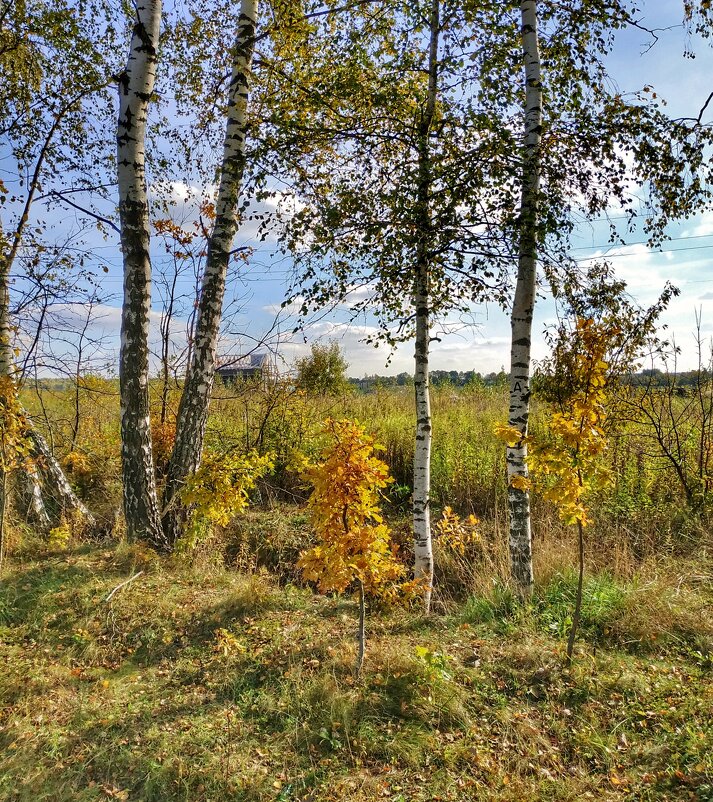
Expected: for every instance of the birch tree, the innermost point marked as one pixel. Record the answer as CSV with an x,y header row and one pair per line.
x,y
135,88
423,547
193,409
523,306
394,209
491,196
582,152
56,63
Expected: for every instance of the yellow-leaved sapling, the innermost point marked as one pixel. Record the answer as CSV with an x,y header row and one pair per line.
x,y
353,541
458,547
455,533
219,490
569,462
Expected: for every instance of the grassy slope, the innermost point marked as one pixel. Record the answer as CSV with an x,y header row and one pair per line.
x,y
205,684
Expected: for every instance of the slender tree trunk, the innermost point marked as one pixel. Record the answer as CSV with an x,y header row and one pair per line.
x,y
6,370
7,367
578,600
523,307
135,88
32,490
166,320
361,632
423,547
3,508
193,408
54,476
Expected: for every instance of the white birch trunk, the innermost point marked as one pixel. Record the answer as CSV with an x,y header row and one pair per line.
x,y
54,476
7,367
423,547
195,400
524,305
32,491
135,88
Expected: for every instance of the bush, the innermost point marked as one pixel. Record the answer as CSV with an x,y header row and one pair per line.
x,y
324,371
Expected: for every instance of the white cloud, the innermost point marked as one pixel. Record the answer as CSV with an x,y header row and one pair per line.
x,y
705,227
459,350
285,310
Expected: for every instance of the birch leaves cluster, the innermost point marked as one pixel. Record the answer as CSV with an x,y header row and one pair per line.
x,y
220,489
353,539
566,459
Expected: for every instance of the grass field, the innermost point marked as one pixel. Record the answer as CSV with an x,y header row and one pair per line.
x,y
204,683
218,675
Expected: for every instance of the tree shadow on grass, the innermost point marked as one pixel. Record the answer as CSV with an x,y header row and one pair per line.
x,y
29,593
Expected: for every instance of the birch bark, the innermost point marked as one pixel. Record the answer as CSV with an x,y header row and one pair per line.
x,y
32,490
6,361
524,305
135,88
6,367
423,550
193,408
54,477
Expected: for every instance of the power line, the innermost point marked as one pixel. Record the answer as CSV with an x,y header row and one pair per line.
x,y
625,255
637,242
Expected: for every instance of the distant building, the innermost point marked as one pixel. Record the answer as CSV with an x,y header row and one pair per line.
x,y
238,368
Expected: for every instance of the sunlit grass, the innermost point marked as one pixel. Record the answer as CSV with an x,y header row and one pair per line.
x,y
197,682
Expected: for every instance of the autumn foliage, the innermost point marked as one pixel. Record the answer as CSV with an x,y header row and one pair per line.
x,y
568,461
14,445
163,436
220,489
354,543
456,534
572,459
13,427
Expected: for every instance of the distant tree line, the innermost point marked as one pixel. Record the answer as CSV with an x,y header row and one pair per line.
x,y
437,378
651,377
654,377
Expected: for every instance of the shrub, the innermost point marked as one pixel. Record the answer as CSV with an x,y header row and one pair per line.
x,y
353,540
219,489
323,372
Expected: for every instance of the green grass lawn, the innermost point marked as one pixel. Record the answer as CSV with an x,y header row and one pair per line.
x,y
201,683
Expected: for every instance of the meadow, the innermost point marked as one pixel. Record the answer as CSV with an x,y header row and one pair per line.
x,y
659,450
218,673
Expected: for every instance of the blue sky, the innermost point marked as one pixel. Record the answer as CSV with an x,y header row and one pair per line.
x,y
481,342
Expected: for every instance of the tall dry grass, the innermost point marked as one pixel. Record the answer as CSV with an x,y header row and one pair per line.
x,y
642,514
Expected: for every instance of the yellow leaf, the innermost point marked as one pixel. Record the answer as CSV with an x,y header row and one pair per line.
x,y
520,482
509,434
